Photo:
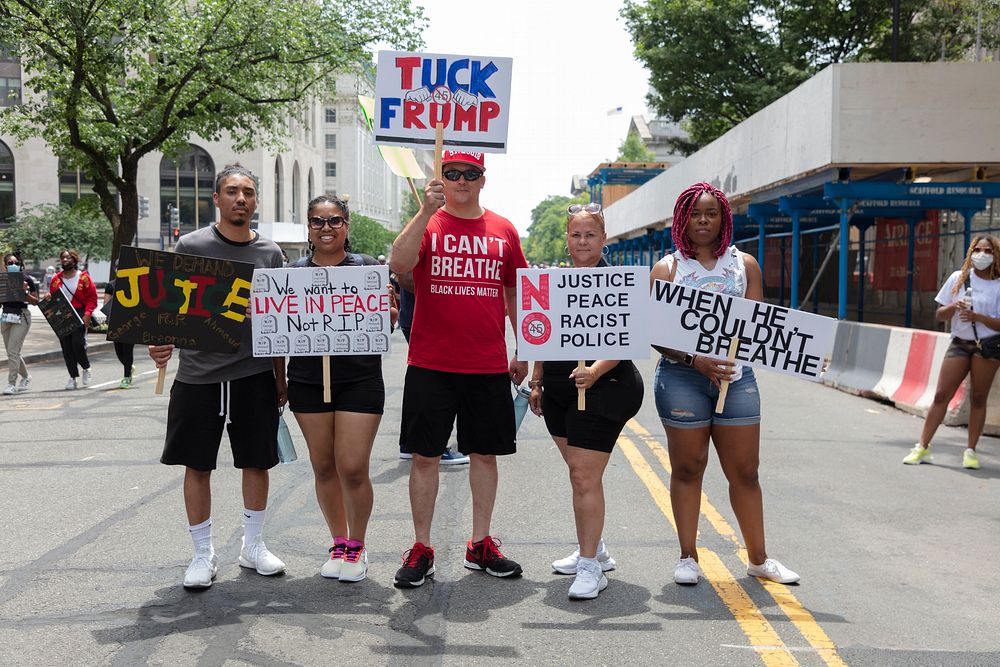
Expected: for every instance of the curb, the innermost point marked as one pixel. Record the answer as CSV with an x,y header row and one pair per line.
x,y
52,355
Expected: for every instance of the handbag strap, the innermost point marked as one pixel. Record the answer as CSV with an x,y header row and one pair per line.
x,y
975,333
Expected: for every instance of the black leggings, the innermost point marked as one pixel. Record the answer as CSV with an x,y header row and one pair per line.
x,y
74,349
124,352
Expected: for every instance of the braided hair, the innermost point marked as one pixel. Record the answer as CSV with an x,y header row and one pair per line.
x,y
682,216
339,203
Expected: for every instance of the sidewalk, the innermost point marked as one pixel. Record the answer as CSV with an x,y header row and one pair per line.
x,y
41,345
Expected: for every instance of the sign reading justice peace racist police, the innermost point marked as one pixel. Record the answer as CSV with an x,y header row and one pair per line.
x,y
191,302
770,337
578,314
468,95
321,310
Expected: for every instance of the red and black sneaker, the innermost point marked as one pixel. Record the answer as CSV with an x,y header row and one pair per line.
x,y
418,564
485,555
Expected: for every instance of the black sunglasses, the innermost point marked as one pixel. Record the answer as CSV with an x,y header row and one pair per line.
x,y
470,175
335,222
13,264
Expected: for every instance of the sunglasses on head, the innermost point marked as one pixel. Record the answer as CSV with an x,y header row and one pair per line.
x,y
592,207
335,222
469,174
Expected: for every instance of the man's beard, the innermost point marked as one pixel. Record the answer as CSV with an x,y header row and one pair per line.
x,y
238,222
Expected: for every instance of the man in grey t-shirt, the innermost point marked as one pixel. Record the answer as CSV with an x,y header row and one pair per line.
x,y
214,390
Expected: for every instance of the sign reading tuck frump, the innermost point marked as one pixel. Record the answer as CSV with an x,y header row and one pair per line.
x,y
321,311
191,302
574,314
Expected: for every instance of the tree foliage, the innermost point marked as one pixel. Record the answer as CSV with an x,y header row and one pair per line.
x,y
43,231
119,79
369,237
713,63
546,242
633,150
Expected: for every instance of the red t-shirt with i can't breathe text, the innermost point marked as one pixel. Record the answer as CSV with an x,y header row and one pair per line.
x,y
459,280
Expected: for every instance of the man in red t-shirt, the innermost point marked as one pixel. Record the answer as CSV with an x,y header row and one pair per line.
x,y
464,261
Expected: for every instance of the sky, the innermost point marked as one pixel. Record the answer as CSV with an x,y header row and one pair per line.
x,y
573,61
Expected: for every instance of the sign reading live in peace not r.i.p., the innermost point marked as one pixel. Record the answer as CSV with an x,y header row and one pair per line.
x,y
191,302
468,95
579,314
321,310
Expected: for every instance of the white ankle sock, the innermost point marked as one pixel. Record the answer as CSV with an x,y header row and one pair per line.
x,y
202,534
253,524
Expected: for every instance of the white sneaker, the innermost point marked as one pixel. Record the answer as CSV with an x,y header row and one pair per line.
x,y
590,580
256,557
24,383
10,390
71,384
202,570
331,568
687,571
86,377
773,570
567,565
355,565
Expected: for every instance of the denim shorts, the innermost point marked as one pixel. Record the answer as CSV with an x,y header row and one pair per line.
x,y
686,399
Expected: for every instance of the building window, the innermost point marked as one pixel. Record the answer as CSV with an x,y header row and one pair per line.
x,y
6,184
331,115
74,185
331,169
187,183
331,142
10,91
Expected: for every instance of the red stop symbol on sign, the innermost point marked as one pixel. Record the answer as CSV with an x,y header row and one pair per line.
x,y
536,328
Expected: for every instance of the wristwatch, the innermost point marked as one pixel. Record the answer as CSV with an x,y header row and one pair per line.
x,y
688,359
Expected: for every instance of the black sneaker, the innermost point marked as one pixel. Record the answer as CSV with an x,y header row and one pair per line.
x,y
485,555
418,564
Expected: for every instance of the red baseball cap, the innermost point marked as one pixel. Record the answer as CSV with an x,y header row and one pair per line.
x,y
475,159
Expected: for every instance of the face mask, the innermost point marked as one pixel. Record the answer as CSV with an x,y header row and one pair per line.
x,y
982,260
13,268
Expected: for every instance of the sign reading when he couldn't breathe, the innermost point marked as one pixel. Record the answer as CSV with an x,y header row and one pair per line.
x,y
770,337
191,302
321,310
578,314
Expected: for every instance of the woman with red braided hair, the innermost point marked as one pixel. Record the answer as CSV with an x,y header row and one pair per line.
x,y
687,386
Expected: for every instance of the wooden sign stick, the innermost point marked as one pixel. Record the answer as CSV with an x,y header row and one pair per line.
x,y
724,389
327,389
161,375
413,189
438,147
581,394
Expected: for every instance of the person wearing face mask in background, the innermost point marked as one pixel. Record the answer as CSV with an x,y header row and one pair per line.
x,y
78,288
970,298
15,321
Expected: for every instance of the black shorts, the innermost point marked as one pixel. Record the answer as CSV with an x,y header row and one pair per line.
x,y
194,425
482,402
609,407
364,396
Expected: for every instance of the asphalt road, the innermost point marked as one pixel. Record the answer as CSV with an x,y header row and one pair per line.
x,y
898,563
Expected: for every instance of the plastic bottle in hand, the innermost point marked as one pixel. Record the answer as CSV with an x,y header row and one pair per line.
x,y
967,298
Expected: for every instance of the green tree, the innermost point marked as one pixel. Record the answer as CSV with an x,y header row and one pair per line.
x,y
119,79
633,150
714,63
546,242
43,231
410,208
369,237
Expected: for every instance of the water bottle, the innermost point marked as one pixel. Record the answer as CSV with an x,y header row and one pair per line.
x,y
286,448
967,297
520,406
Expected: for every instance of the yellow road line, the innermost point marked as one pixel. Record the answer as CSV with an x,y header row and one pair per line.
x,y
758,630
783,597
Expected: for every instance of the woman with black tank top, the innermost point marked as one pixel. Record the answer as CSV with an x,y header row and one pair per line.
x,y
586,438
339,434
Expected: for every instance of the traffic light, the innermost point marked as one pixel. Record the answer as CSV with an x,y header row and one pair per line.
x,y
143,207
175,218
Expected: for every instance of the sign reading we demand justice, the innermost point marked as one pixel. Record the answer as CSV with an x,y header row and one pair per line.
x,y
320,311
579,314
468,95
770,337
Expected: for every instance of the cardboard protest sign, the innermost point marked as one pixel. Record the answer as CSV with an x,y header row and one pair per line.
x,y
771,337
468,95
166,298
11,286
574,314
321,311
60,313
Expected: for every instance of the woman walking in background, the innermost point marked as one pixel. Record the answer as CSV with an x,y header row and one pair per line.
x,y
78,288
15,321
970,298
